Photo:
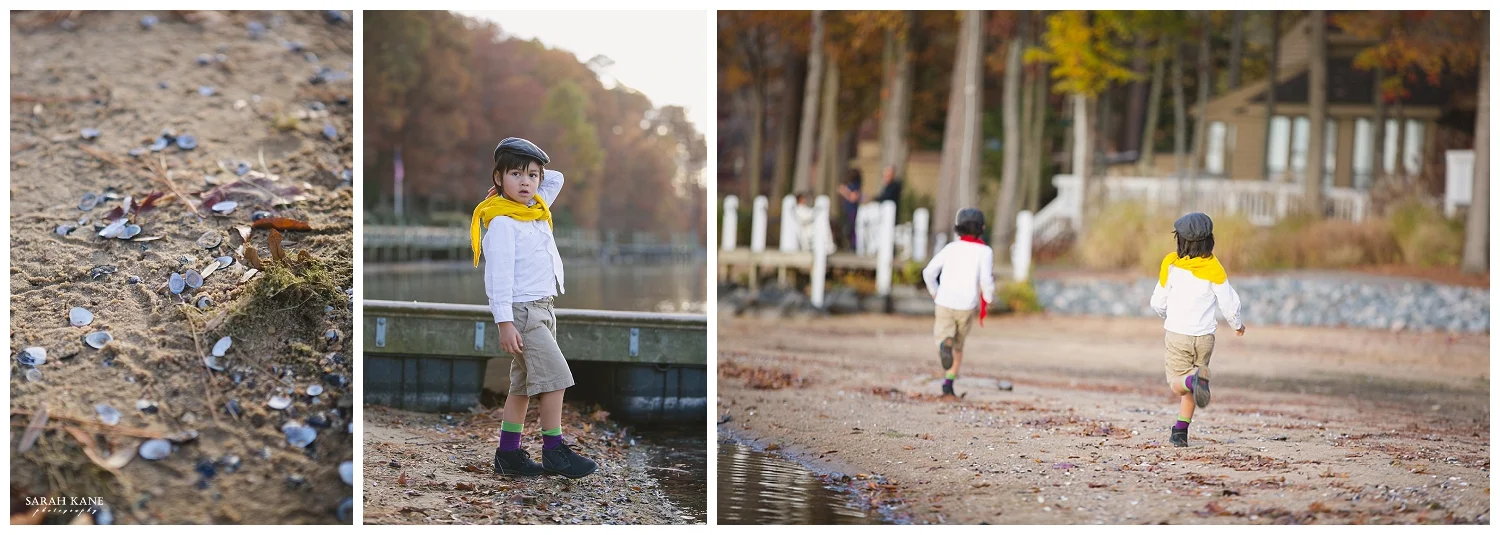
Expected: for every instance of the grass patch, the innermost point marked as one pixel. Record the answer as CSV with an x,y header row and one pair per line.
x,y
1020,297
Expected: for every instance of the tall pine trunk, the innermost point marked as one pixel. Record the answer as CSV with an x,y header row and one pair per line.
x,y
813,91
1377,170
1236,49
1265,160
896,107
1006,201
969,162
786,126
1028,144
757,134
1317,112
1041,143
828,131
948,182
1135,107
1153,111
1179,111
1477,228
1200,123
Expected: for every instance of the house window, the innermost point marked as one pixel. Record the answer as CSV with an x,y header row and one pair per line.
x,y
1218,134
1278,146
1364,153
1330,151
1412,155
1299,148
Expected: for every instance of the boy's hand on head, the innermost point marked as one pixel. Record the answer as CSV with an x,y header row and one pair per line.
x,y
510,339
493,192
1240,332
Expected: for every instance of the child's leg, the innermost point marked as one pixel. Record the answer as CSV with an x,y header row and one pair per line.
x,y
512,422
552,403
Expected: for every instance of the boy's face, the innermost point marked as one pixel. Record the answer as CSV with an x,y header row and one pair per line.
x,y
520,184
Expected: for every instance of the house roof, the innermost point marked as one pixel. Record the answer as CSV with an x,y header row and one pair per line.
x,y
1349,85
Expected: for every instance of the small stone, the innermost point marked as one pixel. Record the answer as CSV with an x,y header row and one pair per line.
x,y
204,59
146,406
314,390
176,283
224,207
299,435
259,215
89,133
148,22
279,402
346,472
79,317
100,271
233,408
204,303
65,229
206,91
330,132
187,142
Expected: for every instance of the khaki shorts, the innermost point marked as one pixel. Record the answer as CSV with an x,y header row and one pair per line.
x,y
1186,353
952,324
541,367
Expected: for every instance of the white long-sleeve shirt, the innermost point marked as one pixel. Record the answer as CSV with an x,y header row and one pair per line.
x,y
1187,303
967,269
521,262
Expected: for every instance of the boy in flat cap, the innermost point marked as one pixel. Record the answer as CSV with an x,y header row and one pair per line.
x,y
1192,283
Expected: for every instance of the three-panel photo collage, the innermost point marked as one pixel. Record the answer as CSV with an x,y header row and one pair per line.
x,y
746,267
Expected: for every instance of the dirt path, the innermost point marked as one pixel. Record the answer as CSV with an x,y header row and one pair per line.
x,y
289,324
1306,426
439,469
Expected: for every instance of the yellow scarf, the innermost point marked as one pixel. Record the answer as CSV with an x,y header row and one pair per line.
x,y
1208,269
495,206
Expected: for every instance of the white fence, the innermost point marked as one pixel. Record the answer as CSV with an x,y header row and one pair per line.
x,y
1263,203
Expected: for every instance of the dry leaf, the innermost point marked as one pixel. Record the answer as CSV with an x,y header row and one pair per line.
x,y
252,258
401,480
277,253
281,223
303,257
463,486
33,429
773,447
600,416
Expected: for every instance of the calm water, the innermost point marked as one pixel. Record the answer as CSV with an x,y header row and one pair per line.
x,y
641,288
679,462
763,488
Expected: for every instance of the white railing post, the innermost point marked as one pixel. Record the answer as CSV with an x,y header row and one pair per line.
x,y
887,248
1020,252
919,223
788,224
758,224
868,223
820,251
731,219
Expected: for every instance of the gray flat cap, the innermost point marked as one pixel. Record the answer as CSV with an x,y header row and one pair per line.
x,y
522,147
1193,227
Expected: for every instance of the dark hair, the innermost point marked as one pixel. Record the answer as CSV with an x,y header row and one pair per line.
x,y
969,228
1203,248
854,176
510,160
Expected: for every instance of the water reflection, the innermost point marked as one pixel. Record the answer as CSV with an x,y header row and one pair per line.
x,y
763,488
645,288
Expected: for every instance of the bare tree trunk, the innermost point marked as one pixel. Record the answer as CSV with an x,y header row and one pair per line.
x,y
1082,157
1200,124
1377,170
1006,201
968,169
1041,143
1399,169
786,141
1317,112
1236,49
1028,144
952,130
815,68
1179,109
757,134
1135,107
1477,228
828,130
1153,113
896,108
1271,92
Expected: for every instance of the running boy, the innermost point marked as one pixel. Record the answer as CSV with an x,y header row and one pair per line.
x,y
965,269
1192,282
522,273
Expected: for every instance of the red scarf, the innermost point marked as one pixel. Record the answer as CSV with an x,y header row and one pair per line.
x,y
984,306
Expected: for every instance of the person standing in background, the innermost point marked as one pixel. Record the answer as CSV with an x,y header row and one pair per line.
x,y
851,192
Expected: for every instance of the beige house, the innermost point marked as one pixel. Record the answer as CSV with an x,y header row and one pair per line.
x,y
1238,148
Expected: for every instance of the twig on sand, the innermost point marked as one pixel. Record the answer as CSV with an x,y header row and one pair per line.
x,y
33,429
213,404
92,425
23,97
665,468
156,175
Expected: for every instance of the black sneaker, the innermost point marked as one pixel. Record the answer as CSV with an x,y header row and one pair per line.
x,y
948,390
1179,437
562,461
1201,395
945,354
516,463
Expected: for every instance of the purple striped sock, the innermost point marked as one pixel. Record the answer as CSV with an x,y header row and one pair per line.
x,y
510,440
551,441
1188,382
947,382
1180,425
